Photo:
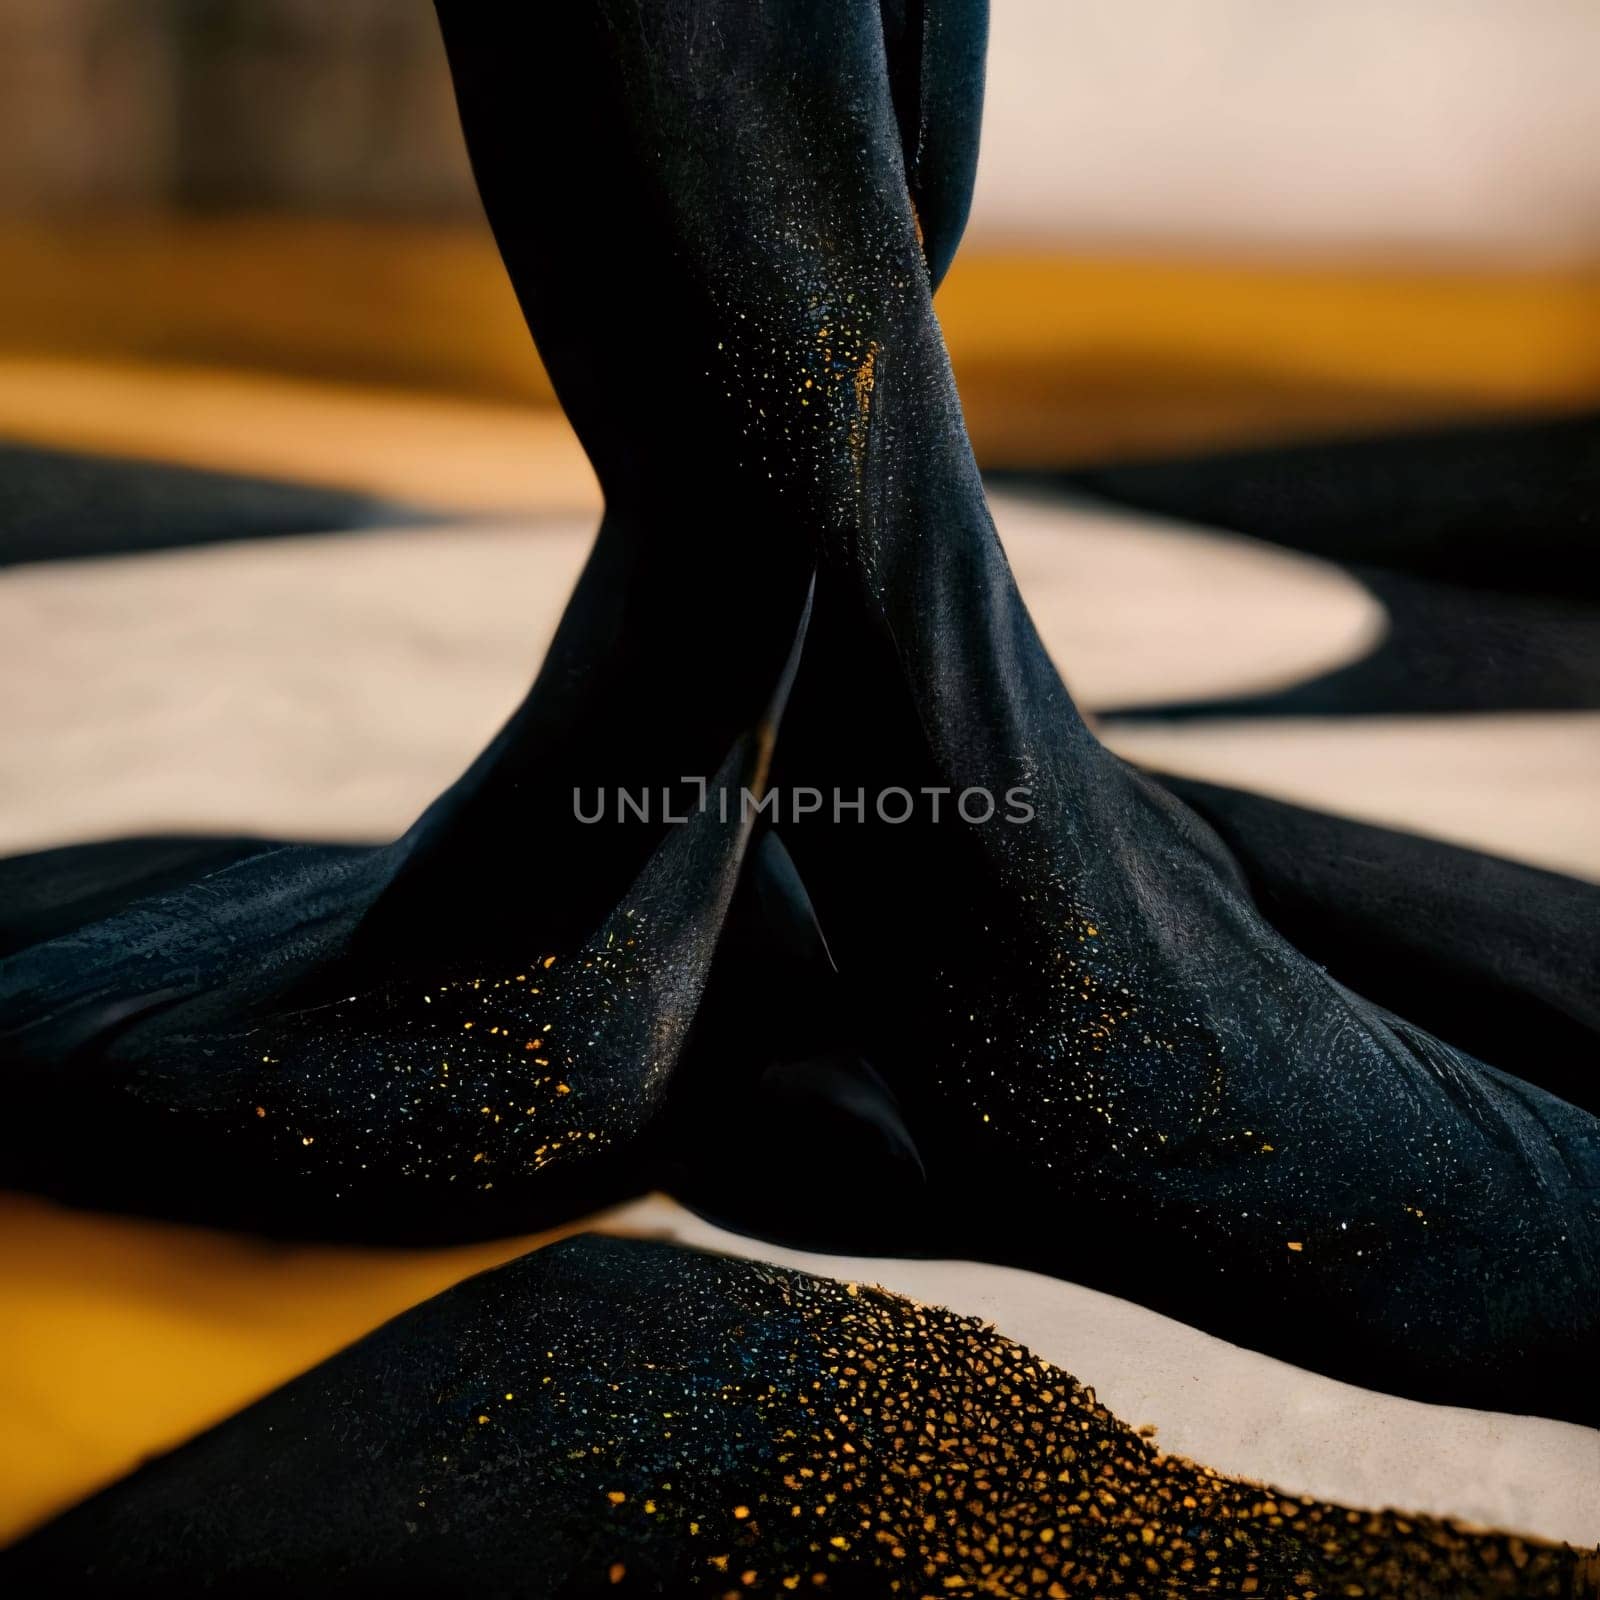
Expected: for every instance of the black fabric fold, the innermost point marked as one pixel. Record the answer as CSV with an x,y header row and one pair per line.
x,y
613,1416
1506,505
1060,1034
1499,958
59,505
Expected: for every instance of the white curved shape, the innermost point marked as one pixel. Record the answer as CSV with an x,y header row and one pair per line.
x,y
1520,784
1136,609
330,686
1211,1402
321,687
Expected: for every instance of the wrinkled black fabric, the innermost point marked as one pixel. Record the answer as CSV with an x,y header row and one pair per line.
x,y
47,893
1487,953
1109,1065
622,1417
1071,1043
1478,541
57,505
1507,506
224,1051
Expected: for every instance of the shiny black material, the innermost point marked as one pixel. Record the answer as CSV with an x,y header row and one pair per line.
x,y
1060,1033
620,1417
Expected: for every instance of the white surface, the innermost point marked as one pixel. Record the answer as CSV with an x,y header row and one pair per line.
x,y
1136,610
1519,784
316,687
1242,1413
329,687
1350,127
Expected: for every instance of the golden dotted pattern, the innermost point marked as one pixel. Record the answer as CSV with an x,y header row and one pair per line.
x,y
464,1080
919,1453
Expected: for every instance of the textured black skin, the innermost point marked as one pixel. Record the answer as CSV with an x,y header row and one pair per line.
x,y
1102,1060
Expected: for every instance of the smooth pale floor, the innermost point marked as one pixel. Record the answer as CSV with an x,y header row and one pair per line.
x,y
326,687
329,686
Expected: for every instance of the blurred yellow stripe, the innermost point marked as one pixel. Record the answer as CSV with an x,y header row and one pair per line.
x,y
120,1338
1081,359
431,449
381,302
1058,357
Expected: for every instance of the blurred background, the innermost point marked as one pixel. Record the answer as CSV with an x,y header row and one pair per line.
x,y
287,510
1194,224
